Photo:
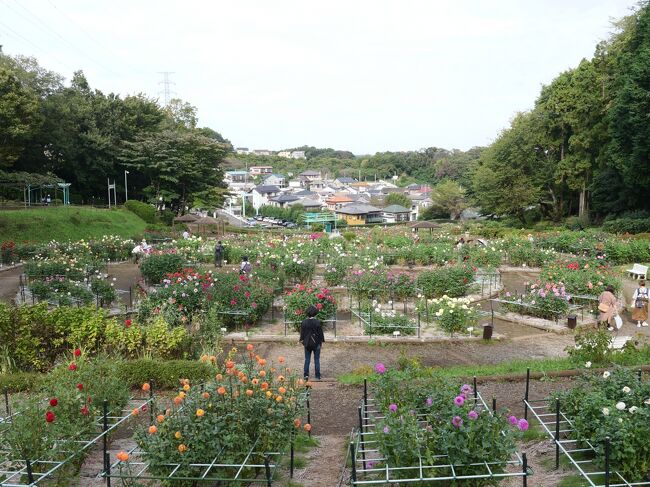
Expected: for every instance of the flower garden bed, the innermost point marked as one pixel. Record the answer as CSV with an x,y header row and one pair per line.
x,y
601,426
416,430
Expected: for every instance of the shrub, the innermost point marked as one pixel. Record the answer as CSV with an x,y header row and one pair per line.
x,y
627,225
548,301
454,315
591,345
156,266
20,381
299,299
144,210
164,374
453,281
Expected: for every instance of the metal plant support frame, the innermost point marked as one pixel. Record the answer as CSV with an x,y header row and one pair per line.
x,y
559,428
363,450
267,463
24,472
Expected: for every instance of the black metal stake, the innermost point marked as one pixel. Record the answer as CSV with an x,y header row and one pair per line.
x,y
526,394
607,451
267,469
494,404
6,393
105,435
365,394
151,397
557,433
353,462
363,453
291,461
524,467
30,475
475,391
308,415
107,460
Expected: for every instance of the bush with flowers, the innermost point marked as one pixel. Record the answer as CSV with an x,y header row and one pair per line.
x,y
336,269
581,276
384,321
251,404
614,404
50,425
543,300
298,300
298,268
453,315
158,264
368,284
453,281
439,418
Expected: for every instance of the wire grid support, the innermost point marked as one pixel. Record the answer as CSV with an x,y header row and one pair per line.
x,y
20,472
363,453
560,429
266,463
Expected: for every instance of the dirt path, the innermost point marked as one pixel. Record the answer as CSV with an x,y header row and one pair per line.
x,y
9,282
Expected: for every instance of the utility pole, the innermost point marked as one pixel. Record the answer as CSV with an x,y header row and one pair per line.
x,y
126,187
166,83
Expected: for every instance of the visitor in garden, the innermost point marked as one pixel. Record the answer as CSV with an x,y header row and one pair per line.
x,y
245,266
640,305
312,338
218,254
607,307
186,234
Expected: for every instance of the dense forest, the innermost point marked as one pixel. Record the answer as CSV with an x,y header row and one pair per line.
x,y
583,149
83,137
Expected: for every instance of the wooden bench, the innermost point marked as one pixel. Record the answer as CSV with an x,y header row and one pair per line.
x,y
619,342
638,271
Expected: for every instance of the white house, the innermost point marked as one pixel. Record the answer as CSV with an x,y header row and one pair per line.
x,y
275,180
242,150
298,154
396,213
262,194
258,170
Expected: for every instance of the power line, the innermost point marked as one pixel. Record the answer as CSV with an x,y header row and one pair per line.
x,y
19,36
40,24
166,92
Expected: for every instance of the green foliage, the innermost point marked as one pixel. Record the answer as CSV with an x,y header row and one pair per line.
x,y
300,298
155,267
453,315
615,405
453,281
144,210
591,345
449,198
398,199
155,339
292,214
627,225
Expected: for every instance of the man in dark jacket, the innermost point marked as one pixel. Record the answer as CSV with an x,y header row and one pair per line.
x,y
312,338
218,254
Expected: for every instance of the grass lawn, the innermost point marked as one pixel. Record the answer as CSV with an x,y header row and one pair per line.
x,y
67,223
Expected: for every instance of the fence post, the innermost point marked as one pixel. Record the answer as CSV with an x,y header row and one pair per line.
x,y
363,453
475,391
308,415
107,459
30,475
6,394
524,467
557,433
105,434
267,469
131,297
353,462
418,323
494,404
607,452
291,460
526,393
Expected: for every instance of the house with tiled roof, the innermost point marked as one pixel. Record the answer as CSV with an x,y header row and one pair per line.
x,y
263,193
335,202
359,214
396,214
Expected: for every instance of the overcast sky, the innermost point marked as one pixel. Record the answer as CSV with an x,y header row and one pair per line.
x,y
361,75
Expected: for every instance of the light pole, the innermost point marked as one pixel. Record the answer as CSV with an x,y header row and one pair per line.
x,y
126,187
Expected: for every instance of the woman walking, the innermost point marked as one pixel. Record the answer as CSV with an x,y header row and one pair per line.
x,y
607,308
312,338
640,305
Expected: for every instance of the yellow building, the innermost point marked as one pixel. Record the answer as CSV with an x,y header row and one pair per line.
x,y
359,214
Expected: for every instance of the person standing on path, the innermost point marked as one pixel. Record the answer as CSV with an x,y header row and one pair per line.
x,y
218,254
245,267
640,305
312,338
607,307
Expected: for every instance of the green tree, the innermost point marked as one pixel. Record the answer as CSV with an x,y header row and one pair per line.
x,y
19,117
178,165
449,198
398,199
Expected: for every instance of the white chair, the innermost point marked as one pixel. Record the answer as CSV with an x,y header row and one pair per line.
x,y
638,271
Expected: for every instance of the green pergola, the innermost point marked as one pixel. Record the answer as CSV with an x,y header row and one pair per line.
x,y
35,186
328,219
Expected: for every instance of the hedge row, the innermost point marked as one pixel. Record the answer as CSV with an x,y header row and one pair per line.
x,y
165,374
